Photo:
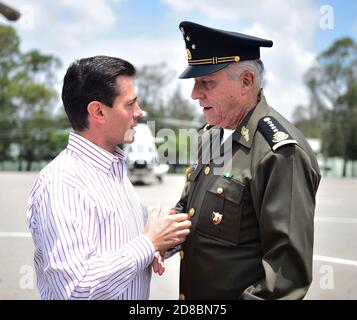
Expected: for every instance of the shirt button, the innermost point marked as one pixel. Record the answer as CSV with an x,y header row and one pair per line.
x,y
182,296
207,170
191,212
220,190
182,254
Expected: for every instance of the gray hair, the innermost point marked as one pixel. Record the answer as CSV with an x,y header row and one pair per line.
x,y
255,66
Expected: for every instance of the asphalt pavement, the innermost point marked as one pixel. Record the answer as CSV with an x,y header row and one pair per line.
x,y
335,248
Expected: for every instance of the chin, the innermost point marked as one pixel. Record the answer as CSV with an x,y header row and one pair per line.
x,y
129,140
129,136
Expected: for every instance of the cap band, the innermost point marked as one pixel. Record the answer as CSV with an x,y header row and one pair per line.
x,y
214,60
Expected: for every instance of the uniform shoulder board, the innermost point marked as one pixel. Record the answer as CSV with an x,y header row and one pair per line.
x,y
274,133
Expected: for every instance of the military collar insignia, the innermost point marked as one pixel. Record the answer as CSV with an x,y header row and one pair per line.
x,y
274,132
245,133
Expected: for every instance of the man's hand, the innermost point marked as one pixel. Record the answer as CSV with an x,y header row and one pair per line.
x,y
158,263
167,231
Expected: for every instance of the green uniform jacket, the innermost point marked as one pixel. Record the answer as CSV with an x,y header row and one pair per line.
x,y
252,228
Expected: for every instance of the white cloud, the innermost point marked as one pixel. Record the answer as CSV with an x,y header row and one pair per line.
x,y
75,29
65,22
290,24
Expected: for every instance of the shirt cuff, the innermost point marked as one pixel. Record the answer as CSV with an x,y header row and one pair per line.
x,y
143,251
172,251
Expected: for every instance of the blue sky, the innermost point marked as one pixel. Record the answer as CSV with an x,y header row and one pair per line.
x,y
146,32
345,23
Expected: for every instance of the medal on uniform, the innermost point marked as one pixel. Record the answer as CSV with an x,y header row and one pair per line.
x,y
217,217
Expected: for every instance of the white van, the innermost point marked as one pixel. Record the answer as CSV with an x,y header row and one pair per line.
x,y
142,157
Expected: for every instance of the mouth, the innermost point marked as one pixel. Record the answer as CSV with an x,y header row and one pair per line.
x,y
205,109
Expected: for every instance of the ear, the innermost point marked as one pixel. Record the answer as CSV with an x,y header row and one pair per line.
x,y
95,112
248,79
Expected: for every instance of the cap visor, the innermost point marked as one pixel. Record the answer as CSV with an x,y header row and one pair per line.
x,y
199,71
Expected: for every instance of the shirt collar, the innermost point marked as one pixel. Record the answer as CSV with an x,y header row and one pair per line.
x,y
226,134
94,154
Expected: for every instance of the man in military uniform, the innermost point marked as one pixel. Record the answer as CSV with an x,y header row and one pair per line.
x,y
252,223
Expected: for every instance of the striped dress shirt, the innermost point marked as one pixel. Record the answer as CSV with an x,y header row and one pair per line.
x,y
87,224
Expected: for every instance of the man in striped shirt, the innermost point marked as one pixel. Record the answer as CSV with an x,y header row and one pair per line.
x,y
92,237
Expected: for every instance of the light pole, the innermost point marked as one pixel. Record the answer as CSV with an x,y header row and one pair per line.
x,y
10,13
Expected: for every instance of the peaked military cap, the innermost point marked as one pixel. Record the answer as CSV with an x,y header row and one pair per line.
x,y
209,50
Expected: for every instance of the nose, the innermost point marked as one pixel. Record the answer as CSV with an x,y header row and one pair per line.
x,y
196,92
138,113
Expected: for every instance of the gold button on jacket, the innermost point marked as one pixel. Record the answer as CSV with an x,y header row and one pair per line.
x,y
207,170
191,212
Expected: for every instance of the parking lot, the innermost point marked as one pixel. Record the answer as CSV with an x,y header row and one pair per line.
x,y
335,251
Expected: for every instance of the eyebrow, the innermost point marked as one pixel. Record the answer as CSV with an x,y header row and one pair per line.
x,y
132,100
204,78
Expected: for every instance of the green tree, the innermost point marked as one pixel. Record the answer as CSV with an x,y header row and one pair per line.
x,y
9,53
152,80
27,98
171,111
330,115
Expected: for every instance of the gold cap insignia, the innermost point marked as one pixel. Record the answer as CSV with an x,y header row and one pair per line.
x,y
245,133
189,55
216,217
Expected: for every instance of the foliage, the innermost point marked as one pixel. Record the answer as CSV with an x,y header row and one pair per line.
x,y
331,114
168,111
30,129
27,118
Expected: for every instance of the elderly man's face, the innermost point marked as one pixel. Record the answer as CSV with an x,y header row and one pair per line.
x,y
221,98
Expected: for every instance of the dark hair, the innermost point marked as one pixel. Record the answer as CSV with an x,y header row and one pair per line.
x,y
91,79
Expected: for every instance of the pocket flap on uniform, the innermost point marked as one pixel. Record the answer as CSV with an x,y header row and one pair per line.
x,y
229,189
